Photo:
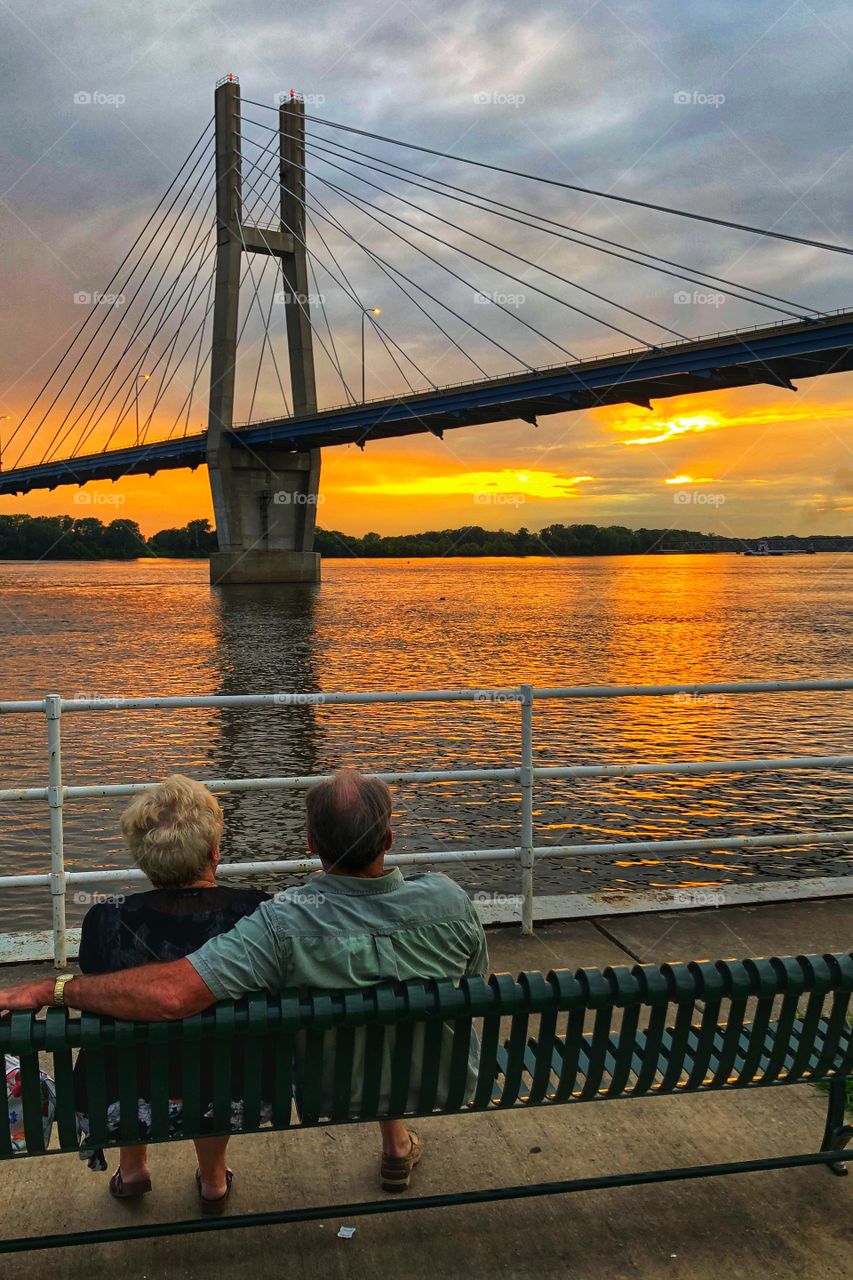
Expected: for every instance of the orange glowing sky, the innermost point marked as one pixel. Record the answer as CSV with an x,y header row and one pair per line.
x,y
744,462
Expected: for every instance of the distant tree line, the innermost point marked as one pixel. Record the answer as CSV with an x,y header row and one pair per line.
x,y
554,539
69,538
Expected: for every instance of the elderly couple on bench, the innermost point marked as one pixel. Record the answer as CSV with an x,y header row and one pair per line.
x,y
353,925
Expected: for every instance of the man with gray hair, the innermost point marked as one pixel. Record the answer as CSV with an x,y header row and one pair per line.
x,y
353,925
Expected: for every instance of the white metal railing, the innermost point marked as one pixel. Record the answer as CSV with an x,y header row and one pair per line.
x,y
524,773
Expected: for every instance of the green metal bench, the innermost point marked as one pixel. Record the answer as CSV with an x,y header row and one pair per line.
x,y
546,1040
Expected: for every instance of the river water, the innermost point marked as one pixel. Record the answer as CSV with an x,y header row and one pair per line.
x,y
156,627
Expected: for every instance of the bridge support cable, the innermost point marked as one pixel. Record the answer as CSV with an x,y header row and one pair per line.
x,y
318,205
392,272
764,232
305,310
149,316
332,356
381,332
358,201
153,306
352,196
134,371
198,367
348,288
311,150
388,270
321,302
199,332
121,322
75,360
166,377
519,258
201,141
265,336
450,271
688,274
267,341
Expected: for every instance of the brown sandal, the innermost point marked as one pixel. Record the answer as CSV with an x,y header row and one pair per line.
x,y
128,1190
218,1205
395,1172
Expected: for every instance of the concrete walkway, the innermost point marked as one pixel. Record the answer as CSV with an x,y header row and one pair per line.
x,y
791,1223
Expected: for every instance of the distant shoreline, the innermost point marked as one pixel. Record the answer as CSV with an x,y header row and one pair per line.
x,y
414,555
88,540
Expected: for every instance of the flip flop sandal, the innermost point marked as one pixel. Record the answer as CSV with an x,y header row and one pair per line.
x,y
395,1172
218,1205
128,1190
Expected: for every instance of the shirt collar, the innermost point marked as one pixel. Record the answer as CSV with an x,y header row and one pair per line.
x,y
362,886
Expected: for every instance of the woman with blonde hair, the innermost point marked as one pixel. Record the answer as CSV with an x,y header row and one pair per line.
x,y
173,831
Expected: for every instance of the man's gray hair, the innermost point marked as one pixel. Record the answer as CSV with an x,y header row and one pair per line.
x,y
349,818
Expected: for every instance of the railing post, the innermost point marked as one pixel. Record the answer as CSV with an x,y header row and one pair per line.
x,y
526,691
55,795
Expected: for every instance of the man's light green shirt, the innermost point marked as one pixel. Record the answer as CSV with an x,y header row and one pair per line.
x,y
335,932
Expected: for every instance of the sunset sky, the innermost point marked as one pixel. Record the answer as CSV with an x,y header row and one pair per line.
x,y
727,110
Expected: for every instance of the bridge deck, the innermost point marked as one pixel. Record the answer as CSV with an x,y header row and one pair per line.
x,y
778,354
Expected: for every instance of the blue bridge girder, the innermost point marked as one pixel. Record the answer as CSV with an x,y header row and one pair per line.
x,y
778,355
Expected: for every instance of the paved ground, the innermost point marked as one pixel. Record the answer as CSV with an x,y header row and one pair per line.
x,y
792,1223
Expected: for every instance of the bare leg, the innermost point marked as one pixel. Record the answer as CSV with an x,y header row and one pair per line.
x,y
133,1162
211,1166
396,1139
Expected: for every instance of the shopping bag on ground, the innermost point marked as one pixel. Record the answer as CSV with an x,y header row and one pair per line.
x,y
14,1095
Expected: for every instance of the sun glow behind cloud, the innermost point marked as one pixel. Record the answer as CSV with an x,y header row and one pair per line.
x,y
672,428
530,483
645,429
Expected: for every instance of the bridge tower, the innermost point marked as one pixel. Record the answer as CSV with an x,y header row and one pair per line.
x,y
264,497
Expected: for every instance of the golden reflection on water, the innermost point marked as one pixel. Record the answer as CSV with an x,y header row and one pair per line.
x,y
108,630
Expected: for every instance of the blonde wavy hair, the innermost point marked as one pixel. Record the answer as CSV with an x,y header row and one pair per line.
x,y
171,830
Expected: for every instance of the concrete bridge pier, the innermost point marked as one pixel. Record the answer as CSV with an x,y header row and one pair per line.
x,y
266,507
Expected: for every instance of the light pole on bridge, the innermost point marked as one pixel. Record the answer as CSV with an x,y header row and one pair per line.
x,y
143,377
365,312
3,418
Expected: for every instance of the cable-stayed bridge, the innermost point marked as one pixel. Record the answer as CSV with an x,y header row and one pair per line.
x,y
149,381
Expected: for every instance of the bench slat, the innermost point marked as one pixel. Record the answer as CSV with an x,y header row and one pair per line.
x,y
160,1083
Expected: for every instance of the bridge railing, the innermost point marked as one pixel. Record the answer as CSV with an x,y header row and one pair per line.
x,y
523,771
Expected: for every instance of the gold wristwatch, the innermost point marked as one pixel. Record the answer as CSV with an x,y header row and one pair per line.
x,y
60,985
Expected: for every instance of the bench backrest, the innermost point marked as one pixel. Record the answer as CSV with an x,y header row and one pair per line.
x,y
406,1049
